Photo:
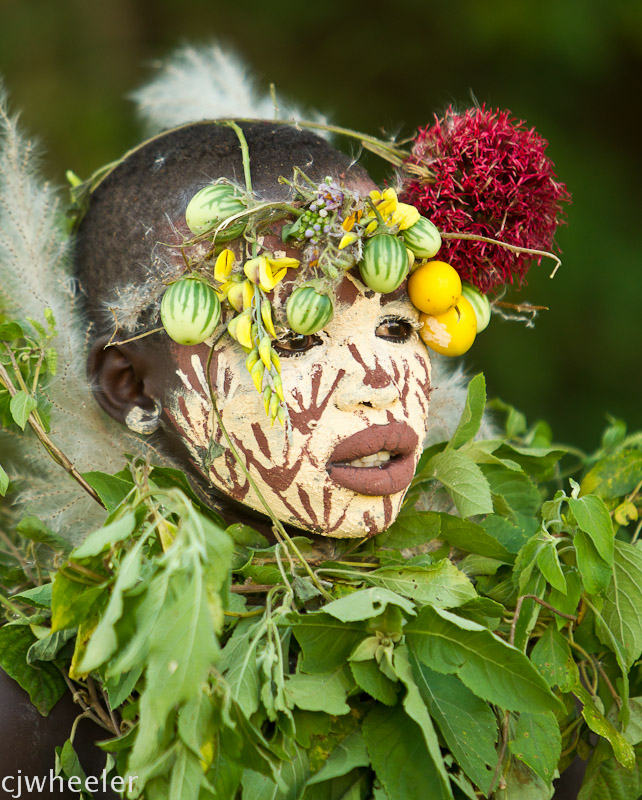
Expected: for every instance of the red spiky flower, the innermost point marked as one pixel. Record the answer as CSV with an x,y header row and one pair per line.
x,y
483,172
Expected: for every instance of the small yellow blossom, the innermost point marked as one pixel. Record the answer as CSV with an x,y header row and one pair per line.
x,y
267,272
266,316
234,294
347,239
223,265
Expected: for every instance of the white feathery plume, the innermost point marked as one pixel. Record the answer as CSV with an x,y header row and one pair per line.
x,y
34,276
197,83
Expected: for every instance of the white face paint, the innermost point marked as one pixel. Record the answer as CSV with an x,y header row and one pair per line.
x,y
358,404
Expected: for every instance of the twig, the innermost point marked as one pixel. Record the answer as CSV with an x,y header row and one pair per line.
x,y
512,247
518,609
502,751
251,588
19,557
98,708
77,696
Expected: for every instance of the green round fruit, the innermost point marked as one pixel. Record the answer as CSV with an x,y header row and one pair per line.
x,y
422,238
190,311
384,264
480,304
308,310
209,207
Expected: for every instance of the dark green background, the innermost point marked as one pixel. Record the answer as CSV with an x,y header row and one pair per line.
x,y
569,67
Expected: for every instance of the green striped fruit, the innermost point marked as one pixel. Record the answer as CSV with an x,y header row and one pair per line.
x,y
190,311
422,238
209,207
384,264
480,304
308,310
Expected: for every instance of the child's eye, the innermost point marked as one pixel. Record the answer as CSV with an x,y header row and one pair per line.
x,y
395,329
294,343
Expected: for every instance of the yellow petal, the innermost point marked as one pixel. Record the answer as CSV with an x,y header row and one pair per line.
x,y
389,194
406,216
276,361
348,222
284,263
235,296
257,373
223,266
347,239
252,358
252,268
278,386
375,196
266,279
267,397
372,226
278,276
244,330
265,350
266,316
248,293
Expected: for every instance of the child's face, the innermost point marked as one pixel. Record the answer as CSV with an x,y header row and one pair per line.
x,y
357,393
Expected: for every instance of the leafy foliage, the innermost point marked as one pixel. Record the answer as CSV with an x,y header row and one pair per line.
x,y
470,653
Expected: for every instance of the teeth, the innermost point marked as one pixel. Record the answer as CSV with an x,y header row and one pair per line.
x,y
375,460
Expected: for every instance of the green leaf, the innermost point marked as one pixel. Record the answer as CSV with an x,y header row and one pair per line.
x,y
44,684
292,776
538,743
598,723
521,783
490,667
10,331
111,489
38,597
367,603
4,482
371,679
622,610
552,657
410,529
473,538
536,461
238,664
517,489
321,692
21,406
463,480
594,519
35,530
615,476
472,414
607,779
549,563
595,572
47,649
69,763
515,420
349,753
325,641
467,723
440,584
119,689
106,537
399,756
72,602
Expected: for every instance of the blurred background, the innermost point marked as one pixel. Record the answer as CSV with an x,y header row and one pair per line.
x,y
571,68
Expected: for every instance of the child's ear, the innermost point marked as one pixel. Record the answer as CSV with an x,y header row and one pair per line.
x,y
117,375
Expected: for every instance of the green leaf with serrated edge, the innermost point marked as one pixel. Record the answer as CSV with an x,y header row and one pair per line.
x,y
467,723
44,685
325,641
367,603
521,783
549,563
463,480
515,420
21,406
111,490
349,753
517,489
106,537
320,692
47,649
536,461
104,639
410,529
71,601
607,779
355,785
483,452
119,689
530,610
598,723
538,743
238,664
568,601
472,538
4,482
482,610
168,477
594,519
415,707
440,584
399,756
371,679
552,657
595,572
614,476
247,536
292,776
472,414
38,597
622,610
32,528
491,668
186,776
526,560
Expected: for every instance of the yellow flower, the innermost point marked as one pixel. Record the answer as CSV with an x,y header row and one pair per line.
x,y
385,202
234,293
267,272
405,216
347,239
223,265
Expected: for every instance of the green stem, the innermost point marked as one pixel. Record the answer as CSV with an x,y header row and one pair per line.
x,y
244,151
512,247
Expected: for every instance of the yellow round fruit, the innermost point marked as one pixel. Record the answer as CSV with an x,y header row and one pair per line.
x,y
434,287
451,333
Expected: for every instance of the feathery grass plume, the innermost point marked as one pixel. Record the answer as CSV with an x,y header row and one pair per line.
x,y
34,276
197,83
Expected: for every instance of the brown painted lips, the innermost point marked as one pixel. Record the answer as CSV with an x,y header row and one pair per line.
x,y
392,477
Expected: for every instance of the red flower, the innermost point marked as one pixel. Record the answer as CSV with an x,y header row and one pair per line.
x,y
491,178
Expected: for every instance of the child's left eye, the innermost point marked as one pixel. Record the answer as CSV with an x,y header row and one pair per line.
x,y
395,329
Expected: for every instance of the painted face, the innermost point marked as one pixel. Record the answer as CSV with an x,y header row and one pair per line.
x,y
357,395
